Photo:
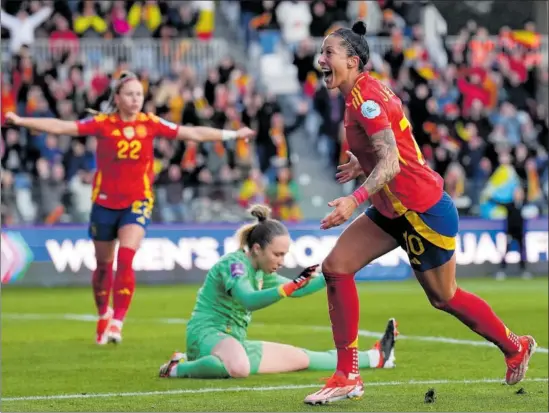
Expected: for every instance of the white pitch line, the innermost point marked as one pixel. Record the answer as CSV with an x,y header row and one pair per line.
x,y
362,333
248,389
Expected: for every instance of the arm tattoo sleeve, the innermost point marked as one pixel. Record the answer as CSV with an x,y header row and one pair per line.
x,y
387,166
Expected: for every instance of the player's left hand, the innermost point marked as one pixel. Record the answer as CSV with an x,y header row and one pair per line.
x,y
300,281
245,133
344,209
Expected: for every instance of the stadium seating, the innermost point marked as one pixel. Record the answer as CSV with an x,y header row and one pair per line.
x,y
246,67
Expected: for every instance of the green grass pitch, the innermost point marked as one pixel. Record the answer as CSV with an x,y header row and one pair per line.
x,y
50,363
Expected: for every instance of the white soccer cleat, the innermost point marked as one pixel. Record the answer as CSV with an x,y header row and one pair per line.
x,y
114,333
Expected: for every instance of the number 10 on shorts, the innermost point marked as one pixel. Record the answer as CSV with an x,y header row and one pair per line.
x,y
414,246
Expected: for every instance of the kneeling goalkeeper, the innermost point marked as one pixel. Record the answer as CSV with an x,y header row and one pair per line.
x,y
245,281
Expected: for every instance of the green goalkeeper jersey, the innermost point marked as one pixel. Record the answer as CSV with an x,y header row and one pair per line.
x,y
214,302
233,288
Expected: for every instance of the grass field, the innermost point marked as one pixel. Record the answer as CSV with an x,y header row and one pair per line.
x,y
49,361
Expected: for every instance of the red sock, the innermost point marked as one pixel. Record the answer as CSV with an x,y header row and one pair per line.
x,y
102,285
344,313
124,283
474,312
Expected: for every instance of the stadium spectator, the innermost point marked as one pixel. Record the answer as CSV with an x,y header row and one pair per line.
x,y
49,190
294,18
63,39
184,19
145,18
119,19
22,27
88,22
283,196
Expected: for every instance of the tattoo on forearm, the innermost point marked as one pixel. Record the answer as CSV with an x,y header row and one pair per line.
x,y
387,166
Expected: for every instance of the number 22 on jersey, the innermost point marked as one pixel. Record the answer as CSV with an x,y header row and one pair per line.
x,y
128,150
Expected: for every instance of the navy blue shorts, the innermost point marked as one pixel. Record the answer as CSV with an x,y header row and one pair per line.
x,y
429,238
105,222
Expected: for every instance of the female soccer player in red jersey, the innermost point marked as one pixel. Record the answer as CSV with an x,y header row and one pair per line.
x,y
122,190
409,209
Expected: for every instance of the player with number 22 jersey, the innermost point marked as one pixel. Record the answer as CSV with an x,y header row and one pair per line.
x,y
122,190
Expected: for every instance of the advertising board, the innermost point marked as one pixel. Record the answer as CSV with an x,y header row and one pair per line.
x,y
64,255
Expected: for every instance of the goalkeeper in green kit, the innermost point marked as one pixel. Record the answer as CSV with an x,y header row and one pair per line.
x,y
240,283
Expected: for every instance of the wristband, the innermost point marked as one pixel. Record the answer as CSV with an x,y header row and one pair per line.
x,y
360,195
228,135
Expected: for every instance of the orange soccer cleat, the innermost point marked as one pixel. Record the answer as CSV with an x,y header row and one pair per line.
x,y
517,365
338,387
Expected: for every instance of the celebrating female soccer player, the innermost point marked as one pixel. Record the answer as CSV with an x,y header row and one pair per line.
x,y
244,281
122,194
409,209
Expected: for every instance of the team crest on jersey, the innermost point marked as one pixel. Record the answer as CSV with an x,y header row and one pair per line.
x,y
237,269
128,132
141,131
370,109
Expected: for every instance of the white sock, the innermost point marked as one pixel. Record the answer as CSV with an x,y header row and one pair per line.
x,y
373,356
117,323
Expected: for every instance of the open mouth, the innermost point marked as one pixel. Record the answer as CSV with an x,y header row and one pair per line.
x,y
328,75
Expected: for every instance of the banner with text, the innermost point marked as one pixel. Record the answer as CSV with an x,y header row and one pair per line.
x,y
64,255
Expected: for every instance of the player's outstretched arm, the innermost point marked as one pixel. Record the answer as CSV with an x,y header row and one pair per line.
x,y
207,134
47,125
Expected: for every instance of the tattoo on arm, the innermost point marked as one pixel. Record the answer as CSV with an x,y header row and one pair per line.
x,y
387,166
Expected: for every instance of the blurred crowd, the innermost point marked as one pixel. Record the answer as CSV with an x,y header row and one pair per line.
x,y
473,114
48,179
473,101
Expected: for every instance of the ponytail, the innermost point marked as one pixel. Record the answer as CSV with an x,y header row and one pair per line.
x,y
262,231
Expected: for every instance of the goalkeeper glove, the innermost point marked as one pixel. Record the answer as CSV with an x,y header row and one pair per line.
x,y
300,281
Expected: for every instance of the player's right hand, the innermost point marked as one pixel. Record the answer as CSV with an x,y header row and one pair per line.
x,y
299,282
350,170
12,119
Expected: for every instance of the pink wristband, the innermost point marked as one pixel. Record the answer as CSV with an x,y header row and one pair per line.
x,y
360,195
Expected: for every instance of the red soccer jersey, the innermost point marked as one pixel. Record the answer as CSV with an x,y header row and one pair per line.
x,y
124,156
370,108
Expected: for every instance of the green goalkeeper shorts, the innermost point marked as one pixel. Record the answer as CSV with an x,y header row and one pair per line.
x,y
201,342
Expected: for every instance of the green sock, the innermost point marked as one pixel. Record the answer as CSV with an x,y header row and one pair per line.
x,y
208,367
327,360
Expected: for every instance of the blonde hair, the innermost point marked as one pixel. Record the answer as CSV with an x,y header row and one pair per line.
x,y
262,231
125,76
